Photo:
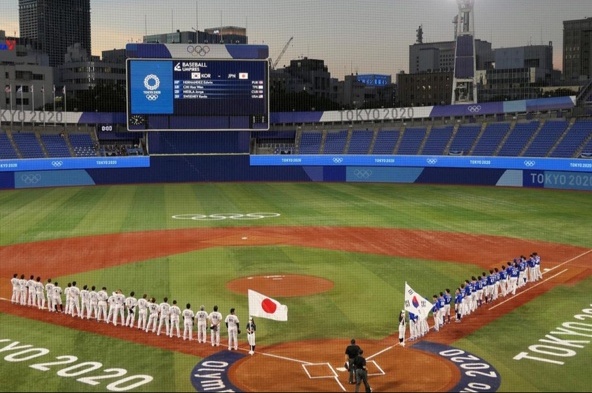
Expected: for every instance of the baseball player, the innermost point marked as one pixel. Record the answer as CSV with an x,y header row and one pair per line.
x,y
441,304
436,312
531,266
31,292
14,299
103,299
175,313
75,299
49,294
94,303
458,307
474,293
537,261
402,328
201,317
68,298
188,323
154,308
111,307
118,305
447,301
23,290
39,295
142,312
215,318
466,304
84,301
413,327
514,276
504,281
251,329
496,284
57,297
521,271
165,317
232,323
130,305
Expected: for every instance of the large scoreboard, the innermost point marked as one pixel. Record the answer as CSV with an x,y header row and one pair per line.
x,y
197,89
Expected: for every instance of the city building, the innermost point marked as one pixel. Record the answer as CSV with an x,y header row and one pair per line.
x,y
424,89
56,25
25,75
577,50
229,34
220,35
439,56
309,75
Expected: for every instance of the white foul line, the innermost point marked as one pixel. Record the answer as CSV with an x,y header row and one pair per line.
x,y
284,358
570,260
380,352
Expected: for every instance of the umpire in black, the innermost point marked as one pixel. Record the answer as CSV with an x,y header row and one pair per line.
x,y
351,352
361,372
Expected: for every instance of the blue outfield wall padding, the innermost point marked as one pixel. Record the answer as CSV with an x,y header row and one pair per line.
x,y
361,174
57,178
6,180
467,176
334,173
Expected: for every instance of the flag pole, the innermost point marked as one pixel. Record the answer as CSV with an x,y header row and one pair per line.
x,y
22,109
43,109
32,99
11,114
65,107
54,109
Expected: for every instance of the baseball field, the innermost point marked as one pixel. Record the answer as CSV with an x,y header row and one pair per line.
x,y
337,255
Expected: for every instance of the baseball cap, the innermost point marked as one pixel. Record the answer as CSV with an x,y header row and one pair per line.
x,y
250,318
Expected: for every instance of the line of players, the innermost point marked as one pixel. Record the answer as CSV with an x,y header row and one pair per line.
x,y
476,292
91,303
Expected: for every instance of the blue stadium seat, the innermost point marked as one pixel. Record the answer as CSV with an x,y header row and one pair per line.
x,y
492,136
310,142
360,142
28,145
55,145
546,138
518,138
411,140
386,140
335,142
83,145
465,137
6,149
437,140
569,145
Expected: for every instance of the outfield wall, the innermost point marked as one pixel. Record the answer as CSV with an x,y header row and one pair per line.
x,y
240,168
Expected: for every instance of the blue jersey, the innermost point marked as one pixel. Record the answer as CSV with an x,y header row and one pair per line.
x,y
491,279
413,317
467,290
504,274
531,263
458,298
447,298
479,285
514,272
441,302
436,306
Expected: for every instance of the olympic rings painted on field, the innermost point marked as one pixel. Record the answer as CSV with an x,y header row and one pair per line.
x,y
432,161
474,108
224,216
198,50
362,173
57,164
32,178
529,163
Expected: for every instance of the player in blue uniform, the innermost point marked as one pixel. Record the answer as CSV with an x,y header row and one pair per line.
x,y
436,312
413,326
447,300
458,306
467,298
490,286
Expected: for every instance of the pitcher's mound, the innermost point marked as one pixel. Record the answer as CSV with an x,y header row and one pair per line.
x,y
281,285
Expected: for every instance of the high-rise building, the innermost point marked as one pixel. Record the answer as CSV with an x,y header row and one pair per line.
x,y
56,25
577,50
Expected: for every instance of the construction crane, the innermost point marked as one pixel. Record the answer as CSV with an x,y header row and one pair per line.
x,y
275,63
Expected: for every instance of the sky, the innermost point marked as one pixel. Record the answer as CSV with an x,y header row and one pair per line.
x,y
351,36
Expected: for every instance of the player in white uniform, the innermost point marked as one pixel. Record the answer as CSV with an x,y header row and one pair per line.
x,y
154,308
111,307
201,318
232,323
14,299
49,293
84,301
175,313
68,298
103,298
23,290
31,292
188,323
119,298
215,318
75,296
165,309
39,295
57,297
142,312
94,303
130,305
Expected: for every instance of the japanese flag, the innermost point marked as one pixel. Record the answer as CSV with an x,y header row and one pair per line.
x,y
265,307
416,304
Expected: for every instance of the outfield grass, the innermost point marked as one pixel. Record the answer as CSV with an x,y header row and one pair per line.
x,y
200,276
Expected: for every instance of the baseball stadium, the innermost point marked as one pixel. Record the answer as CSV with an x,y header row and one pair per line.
x,y
339,221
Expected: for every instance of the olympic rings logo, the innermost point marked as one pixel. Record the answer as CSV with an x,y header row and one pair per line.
x,y
337,160
529,163
151,97
225,216
362,173
33,178
57,164
474,108
198,50
432,161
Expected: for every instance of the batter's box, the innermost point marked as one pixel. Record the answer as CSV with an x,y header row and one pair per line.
x,y
373,368
319,370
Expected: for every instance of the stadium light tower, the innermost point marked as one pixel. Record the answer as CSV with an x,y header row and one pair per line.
x,y
464,88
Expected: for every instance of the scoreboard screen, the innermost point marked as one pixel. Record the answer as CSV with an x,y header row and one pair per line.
x,y
197,94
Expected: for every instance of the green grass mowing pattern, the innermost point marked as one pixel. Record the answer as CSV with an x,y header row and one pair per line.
x,y
17,375
500,341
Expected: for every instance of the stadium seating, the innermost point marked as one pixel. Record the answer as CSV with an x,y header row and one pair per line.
x,y
437,140
518,138
546,138
411,140
491,138
360,142
386,140
83,145
465,137
55,145
6,149
310,142
335,142
572,141
28,145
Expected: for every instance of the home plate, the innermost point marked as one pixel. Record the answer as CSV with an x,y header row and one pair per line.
x,y
244,238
